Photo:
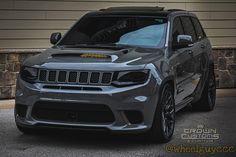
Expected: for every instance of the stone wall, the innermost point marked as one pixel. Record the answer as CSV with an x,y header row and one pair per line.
x,y
10,61
225,67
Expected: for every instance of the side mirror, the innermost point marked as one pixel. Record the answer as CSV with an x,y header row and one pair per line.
x,y
55,37
183,41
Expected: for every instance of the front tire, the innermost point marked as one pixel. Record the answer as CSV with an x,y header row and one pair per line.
x,y
164,119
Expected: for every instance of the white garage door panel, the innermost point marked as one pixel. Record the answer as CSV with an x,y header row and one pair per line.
x,y
25,34
6,4
223,42
219,24
62,5
36,24
216,15
38,43
211,6
221,32
75,15
29,23
10,14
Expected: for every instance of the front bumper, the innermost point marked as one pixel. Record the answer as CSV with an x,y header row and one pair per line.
x,y
142,98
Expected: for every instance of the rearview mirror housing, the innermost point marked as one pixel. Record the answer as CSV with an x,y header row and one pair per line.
x,y
183,41
55,37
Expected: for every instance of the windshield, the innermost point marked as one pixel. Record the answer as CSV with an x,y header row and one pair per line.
x,y
118,30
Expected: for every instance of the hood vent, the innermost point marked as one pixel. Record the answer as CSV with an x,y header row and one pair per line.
x,y
82,55
66,55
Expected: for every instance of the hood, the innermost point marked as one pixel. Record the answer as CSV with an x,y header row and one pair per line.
x,y
57,58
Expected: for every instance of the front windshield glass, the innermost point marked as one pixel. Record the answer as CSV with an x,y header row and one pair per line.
x,y
118,30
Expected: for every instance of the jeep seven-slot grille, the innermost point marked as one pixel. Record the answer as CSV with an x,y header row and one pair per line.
x,y
70,77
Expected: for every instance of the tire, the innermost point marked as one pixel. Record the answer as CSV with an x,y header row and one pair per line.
x,y
208,97
164,119
26,130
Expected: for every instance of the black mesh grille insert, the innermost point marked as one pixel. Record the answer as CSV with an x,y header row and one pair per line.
x,y
106,78
134,117
72,112
43,75
83,77
72,77
94,77
21,110
62,76
52,76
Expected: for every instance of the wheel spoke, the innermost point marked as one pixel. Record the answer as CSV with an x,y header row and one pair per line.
x,y
168,100
168,113
211,91
209,99
167,130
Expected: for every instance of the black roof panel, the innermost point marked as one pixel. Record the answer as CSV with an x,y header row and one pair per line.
x,y
135,10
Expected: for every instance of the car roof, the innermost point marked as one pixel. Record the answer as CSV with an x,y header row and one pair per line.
x,y
137,10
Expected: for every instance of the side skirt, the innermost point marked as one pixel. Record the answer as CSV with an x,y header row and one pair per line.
x,y
183,104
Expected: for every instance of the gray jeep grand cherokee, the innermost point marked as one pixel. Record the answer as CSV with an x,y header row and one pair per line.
x,y
123,69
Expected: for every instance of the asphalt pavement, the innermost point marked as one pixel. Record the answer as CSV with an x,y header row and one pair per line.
x,y
196,134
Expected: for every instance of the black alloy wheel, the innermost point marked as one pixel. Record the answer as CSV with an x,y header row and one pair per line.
x,y
164,119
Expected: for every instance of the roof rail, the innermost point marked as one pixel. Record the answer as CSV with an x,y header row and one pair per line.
x,y
134,8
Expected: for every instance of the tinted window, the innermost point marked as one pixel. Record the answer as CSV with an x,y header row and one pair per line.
x,y
120,30
188,27
177,30
198,28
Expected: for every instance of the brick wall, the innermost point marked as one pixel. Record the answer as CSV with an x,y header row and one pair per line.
x,y
10,60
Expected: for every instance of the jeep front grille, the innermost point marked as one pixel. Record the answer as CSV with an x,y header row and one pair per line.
x,y
74,77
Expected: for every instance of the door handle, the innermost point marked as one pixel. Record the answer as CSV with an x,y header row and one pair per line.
x,y
203,46
190,52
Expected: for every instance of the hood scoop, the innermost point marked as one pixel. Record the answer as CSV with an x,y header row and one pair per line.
x,y
83,57
66,55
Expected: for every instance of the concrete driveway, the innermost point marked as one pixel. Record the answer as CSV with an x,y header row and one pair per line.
x,y
213,132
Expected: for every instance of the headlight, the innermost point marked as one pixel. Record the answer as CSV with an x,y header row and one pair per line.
x,y
29,74
127,78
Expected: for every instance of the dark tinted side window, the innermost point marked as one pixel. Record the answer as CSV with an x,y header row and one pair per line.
x,y
188,27
198,28
177,30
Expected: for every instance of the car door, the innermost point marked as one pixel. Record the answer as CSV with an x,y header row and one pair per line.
x,y
183,63
200,56
194,52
